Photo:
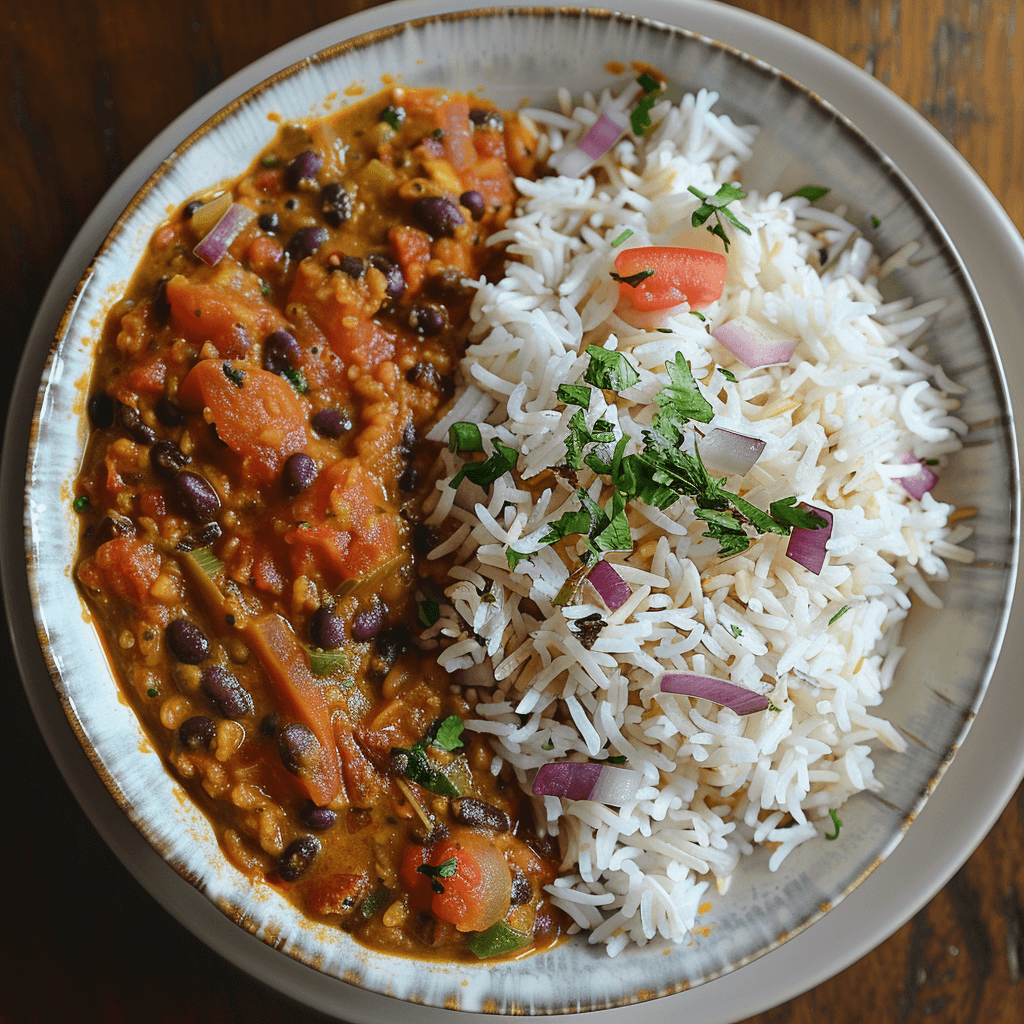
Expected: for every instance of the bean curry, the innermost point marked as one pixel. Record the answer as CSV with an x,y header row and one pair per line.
x,y
252,536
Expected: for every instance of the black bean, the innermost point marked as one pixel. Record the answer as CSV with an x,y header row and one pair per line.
x,y
101,410
298,858
161,305
115,525
187,641
351,265
410,440
167,459
169,413
331,423
131,420
196,496
408,481
298,747
437,215
201,538
427,320
304,167
424,374
366,625
299,472
390,644
335,204
291,204
522,891
319,819
269,222
190,208
395,279
281,352
270,723
305,242
478,814
197,732
474,202
229,696
326,629
492,118
424,538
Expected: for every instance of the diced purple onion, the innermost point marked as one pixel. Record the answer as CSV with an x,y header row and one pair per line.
x,y
718,691
752,345
729,452
808,546
587,780
599,138
224,232
366,625
918,484
614,590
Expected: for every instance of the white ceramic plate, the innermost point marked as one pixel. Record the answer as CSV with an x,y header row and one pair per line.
x,y
800,49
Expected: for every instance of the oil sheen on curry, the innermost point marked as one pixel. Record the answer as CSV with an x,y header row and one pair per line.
x,y
252,544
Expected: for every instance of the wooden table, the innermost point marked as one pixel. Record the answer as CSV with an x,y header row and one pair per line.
x,y
86,86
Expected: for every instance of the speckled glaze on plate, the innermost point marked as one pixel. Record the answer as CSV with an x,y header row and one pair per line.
x,y
521,56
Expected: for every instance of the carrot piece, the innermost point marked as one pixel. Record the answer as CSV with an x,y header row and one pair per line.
x,y
412,250
363,783
301,696
149,377
457,140
363,343
257,414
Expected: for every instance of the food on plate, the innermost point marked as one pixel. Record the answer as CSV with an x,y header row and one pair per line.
x,y
504,524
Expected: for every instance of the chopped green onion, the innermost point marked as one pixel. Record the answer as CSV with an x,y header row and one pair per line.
x,y
627,233
465,437
323,663
839,614
834,815
699,315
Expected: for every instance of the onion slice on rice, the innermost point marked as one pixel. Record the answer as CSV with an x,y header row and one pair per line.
x,y
808,546
587,780
918,484
224,232
729,452
614,590
729,695
752,344
574,161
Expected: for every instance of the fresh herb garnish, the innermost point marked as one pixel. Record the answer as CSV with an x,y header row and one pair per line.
x,y
446,869
574,394
270,160
393,117
81,503
931,462
374,901
735,630
640,116
699,315
237,377
483,474
627,233
837,824
429,612
875,222
664,330
414,762
616,759
633,280
609,370
515,557
727,374
772,706
152,693
717,206
296,379
464,437
265,289
449,734
839,614
812,193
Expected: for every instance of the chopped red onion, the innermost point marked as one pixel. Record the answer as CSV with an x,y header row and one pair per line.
x,y
737,698
225,231
918,484
587,780
729,452
614,590
808,546
751,344
573,161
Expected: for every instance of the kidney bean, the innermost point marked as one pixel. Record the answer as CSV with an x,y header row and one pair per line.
x,y
390,644
201,538
410,440
351,265
197,732
167,459
299,472
305,242
424,539
168,412
335,204
101,410
427,320
474,202
424,374
298,747
229,696
395,279
319,819
304,167
298,858
366,625
131,420
196,496
280,352
521,889
331,423
190,208
491,118
187,641
437,215
270,723
326,630
478,814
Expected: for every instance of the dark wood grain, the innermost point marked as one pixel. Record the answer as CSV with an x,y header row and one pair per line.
x,y
85,87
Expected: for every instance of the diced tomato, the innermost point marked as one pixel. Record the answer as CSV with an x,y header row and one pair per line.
x,y
491,179
149,377
363,343
257,414
478,892
153,502
301,697
521,147
125,566
336,893
695,276
457,140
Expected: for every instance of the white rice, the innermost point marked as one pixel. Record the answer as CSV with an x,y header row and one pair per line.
x,y
856,395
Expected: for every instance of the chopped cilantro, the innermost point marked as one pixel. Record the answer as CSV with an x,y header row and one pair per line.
x,y
81,503
718,207
699,315
152,693
296,379
735,630
837,824
931,462
265,289
727,374
772,706
446,869
875,222
640,116
515,557
465,437
393,117
449,734
483,474
812,193
627,233
574,394
270,160
429,612
375,901
788,513
616,759
633,280
839,614
237,377
609,370
680,399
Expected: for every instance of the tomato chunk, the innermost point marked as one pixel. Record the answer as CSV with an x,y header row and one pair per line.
x,y
125,566
478,892
679,275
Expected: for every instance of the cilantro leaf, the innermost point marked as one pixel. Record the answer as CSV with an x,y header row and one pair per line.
x,y
417,768
788,513
515,557
761,521
640,116
446,869
812,193
485,473
609,370
574,394
682,394
569,523
727,374
633,280
449,734
717,206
